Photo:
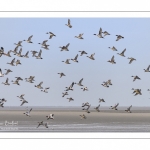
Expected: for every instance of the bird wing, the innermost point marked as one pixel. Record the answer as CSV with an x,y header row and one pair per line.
x,y
40,83
67,44
148,67
100,31
47,88
30,110
40,52
112,59
68,21
76,57
117,104
123,51
7,80
13,61
30,37
81,80
0,71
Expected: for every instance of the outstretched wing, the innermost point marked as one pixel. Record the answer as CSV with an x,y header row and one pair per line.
x,y
30,37
81,80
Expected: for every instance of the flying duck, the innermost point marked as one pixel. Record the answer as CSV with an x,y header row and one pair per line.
x,y
61,74
97,108
136,91
80,82
39,55
26,55
15,50
85,89
29,39
75,59
112,60
85,104
16,82
87,109
101,100
65,47
21,96
45,90
128,109
113,48
19,43
131,59
69,24
6,83
12,62
119,37
23,101
8,53
70,99
39,85
114,107
18,62
51,34
80,36
7,71
135,77
83,116
122,53
70,87
105,33
43,43
33,53
66,93
67,61
92,56
27,113
51,116
147,70
82,52
100,33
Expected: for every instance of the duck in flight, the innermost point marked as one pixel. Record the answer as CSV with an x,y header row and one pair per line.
x,y
119,37
83,116
82,52
131,59
113,48
135,77
51,34
69,24
112,60
23,101
64,48
29,39
114,107
6,83
45,90
75,59
39,85
61,74
27,113
97,108
7,71
91,57
80,82
128,109
51,116
80,36
99,34
122,53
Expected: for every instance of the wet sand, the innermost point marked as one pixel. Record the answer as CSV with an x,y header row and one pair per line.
x,y
70,120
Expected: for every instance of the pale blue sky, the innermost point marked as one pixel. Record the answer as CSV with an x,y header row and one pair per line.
x,y
136,41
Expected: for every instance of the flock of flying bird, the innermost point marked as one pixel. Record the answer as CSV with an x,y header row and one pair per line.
x,y
37,55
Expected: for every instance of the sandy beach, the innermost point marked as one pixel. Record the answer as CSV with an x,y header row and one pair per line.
x,y
70,121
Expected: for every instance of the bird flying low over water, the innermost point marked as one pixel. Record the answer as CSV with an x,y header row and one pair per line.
x,y
128,109
87,109
114,107
83,116
51,116
23,101
85,104
97,108
43,124
69,24
27,113
101,100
